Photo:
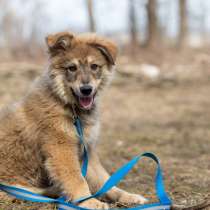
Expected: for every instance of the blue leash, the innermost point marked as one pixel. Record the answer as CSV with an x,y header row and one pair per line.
x,y
78,126
164,201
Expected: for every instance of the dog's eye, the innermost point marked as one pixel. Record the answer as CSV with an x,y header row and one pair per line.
x,y
72,68
94,66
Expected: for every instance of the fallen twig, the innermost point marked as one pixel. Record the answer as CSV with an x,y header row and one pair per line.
x,y
200,206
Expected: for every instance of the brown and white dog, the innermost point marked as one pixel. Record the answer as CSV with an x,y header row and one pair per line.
x,y
39,149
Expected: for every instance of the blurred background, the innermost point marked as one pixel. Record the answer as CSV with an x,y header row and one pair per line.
x,y
137,23
159,99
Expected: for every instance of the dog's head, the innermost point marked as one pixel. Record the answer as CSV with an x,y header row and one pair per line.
x,y
80,66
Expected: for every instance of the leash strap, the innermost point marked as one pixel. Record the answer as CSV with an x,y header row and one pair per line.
x,y
163,204
78,126
164,200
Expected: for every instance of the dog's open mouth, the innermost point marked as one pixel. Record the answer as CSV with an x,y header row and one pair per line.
x,y
86,102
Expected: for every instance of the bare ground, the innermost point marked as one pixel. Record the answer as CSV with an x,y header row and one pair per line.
x,y
170,117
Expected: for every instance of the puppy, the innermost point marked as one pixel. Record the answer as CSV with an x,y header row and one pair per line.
x,y
39,148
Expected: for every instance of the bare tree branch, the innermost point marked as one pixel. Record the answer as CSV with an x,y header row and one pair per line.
x,y
182,22
132,24
92,26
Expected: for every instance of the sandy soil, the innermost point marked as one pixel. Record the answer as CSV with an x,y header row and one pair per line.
x,y
170,117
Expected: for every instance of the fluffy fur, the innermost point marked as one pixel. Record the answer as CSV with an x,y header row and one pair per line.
x,y
39,149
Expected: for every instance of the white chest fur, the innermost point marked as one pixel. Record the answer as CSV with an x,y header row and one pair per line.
x,y
93,136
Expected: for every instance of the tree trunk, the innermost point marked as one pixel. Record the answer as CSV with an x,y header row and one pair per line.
x,y
153,33
133,25
92,26
183,22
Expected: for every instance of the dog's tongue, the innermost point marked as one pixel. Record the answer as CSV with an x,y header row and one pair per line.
x,y
86,102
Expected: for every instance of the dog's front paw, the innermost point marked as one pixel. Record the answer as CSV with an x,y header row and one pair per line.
x,y
129,198
94,204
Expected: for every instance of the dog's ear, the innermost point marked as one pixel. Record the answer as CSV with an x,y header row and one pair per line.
x,y
107,48
59,42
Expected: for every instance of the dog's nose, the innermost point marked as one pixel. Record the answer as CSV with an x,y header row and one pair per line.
x,y
86,90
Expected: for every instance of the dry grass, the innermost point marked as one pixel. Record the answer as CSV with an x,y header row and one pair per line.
x,y
171,119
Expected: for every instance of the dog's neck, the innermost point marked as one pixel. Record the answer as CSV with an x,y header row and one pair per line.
x,y
87,116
